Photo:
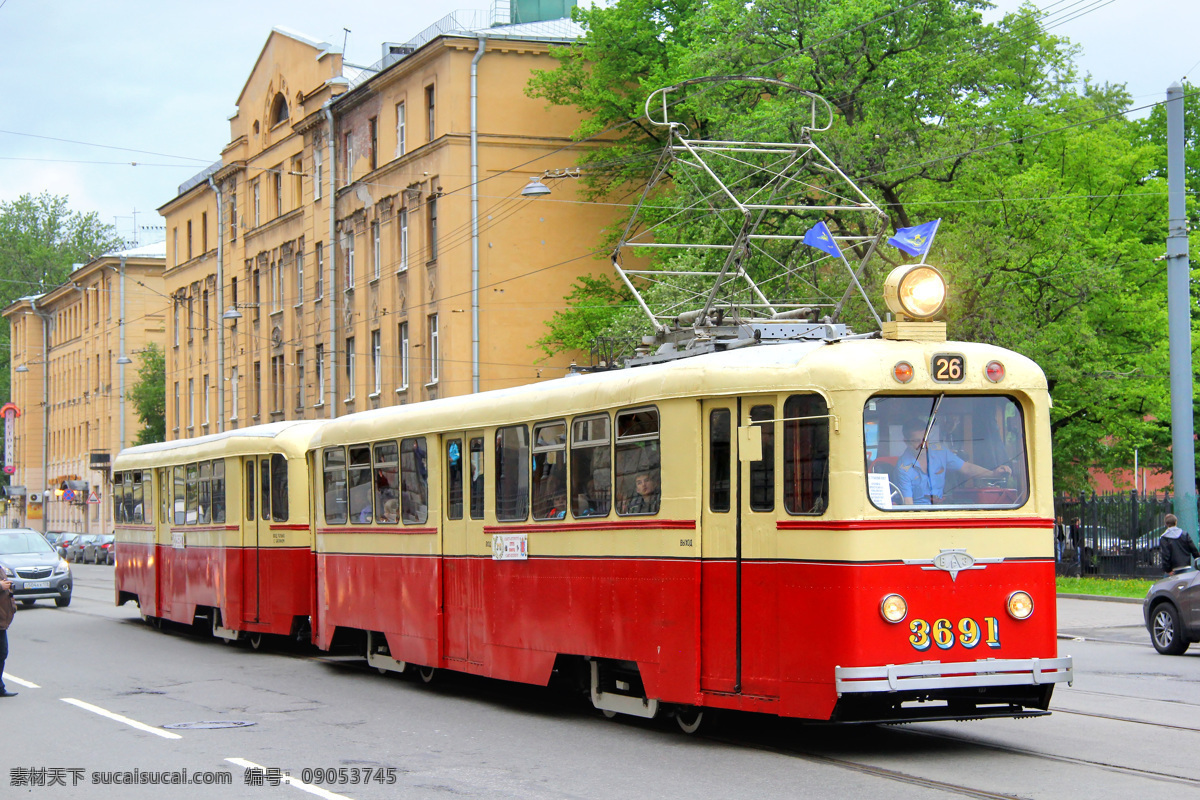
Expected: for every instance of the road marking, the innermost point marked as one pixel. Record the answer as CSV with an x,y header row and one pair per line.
x,y
19,681
301,785
141,726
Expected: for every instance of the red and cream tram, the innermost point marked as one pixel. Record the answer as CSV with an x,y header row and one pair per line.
x,y
217,528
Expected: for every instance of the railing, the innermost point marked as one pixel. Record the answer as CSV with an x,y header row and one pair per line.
x,y
1110,534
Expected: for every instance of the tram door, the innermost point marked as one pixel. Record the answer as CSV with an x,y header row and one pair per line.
x,y
256,492
738,534
464,545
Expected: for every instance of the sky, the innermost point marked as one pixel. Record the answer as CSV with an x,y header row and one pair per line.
x,y
160,78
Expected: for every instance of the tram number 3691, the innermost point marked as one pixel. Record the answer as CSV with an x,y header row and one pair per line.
x,y
945,633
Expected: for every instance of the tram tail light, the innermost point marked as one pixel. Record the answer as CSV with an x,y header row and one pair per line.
x,y
994,371
1019,605
903,371
894,608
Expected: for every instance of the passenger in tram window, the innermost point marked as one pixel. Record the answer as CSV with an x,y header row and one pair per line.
x,y
645,501
550,501
922,478
391,510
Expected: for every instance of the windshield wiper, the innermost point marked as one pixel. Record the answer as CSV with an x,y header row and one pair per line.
x,y
932,418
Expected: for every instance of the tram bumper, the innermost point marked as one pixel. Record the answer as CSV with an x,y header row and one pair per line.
x,y
932,690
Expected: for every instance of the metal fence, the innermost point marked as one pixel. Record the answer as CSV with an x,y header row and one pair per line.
x,y
1111,534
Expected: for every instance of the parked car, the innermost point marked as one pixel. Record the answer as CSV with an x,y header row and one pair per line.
x,y
54,537
1172,610
35,568
75,548
62,544
100,550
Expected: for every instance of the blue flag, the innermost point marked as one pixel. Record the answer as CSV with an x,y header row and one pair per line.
x,y
820,237
915,240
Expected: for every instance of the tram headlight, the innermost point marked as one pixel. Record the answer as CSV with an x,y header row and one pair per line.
x,y
1019,605
893,608
915,290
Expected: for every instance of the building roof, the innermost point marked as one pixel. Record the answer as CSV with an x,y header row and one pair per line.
x,y
155,250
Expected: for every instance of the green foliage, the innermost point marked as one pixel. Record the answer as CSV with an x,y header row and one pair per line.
x,y
1104,587
40,240
1053,204
149,395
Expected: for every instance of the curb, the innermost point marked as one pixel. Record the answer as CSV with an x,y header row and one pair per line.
x,y
1103,598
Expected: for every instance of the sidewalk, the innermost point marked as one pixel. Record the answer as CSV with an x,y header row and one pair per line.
x,y
1101,619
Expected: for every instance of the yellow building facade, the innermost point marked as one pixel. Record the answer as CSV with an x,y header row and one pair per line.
x,y
363,241
75,354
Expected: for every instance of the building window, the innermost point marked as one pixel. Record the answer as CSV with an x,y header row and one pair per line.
x,y
375,248
319,280
206,408
204,313
402,379
175,322
257,204
277,180
403,240
189,240
176,406
429,96
233,386
318,170
191,402
299,379
256,389
373,134
257,289
434,356
376,362
203,231
350,389
349,277
348,152
432,206
277,383
300,273
297,181
233,216
401,143
319,383
191,319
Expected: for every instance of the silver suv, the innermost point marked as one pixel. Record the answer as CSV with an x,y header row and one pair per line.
x,y
35,568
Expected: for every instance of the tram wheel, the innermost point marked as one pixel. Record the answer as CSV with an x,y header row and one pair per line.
x,y
1165,631
427,674
256,640
689,718
608,713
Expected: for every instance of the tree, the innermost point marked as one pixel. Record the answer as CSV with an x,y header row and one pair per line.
x,y
149,396
1053,204
40,238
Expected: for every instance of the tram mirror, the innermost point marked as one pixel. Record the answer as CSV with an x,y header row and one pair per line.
x,y
749,443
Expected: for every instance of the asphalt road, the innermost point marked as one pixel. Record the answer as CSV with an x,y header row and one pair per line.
x,y
106,688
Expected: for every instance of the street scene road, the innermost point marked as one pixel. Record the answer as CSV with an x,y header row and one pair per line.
x,y
100,692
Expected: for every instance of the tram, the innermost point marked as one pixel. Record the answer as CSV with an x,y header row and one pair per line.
x,y
217,529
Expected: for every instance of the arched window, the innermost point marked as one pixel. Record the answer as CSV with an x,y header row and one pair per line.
x,y
279,110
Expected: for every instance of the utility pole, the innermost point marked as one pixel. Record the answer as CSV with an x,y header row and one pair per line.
x,y
1179,318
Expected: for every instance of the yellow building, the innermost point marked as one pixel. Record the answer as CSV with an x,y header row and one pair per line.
x,y
363,240
74,357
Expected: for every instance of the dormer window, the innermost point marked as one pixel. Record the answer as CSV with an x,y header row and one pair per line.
x,y
279,110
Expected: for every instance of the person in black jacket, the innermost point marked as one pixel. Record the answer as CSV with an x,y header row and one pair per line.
x,y
7,609
1175,546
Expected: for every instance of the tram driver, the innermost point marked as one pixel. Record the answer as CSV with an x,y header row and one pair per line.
x,y
922,470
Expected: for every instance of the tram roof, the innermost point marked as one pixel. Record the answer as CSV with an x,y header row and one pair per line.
x,y
290,436
861,365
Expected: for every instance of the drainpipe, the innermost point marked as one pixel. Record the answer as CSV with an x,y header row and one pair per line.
x,y
330,272
220,304
475,213
121,366
45,404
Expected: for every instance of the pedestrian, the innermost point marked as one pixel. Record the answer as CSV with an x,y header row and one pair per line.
x,y
1175,546
8,608
1060,538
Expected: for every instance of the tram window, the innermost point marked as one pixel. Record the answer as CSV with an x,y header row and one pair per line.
x,y
180,507
976,445
264,489
335,485
164,497
361,511
143,507
193,493
477,478
762,472
454,479
512,473
387,482
218,491
639,487
719,454
805,454
205,492
591,467
279,488
250,490
549,470
118,492
414,481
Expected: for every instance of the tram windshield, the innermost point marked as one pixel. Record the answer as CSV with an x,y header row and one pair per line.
x,y
943,451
